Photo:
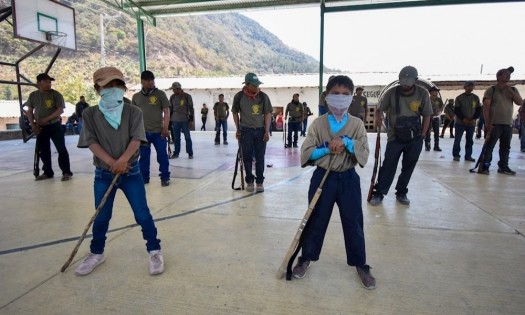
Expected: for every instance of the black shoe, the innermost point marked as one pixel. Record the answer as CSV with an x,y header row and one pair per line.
x,y
295,145
217,143
225,143
287,146
470,159
164,182
452,136
376,199
427,148
367,280
43,177
174,156
441,136
403,199
437,149
66,176
456,158
506,170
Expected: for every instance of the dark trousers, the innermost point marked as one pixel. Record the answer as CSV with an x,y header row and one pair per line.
x,y
481,123
503,133
394,149
252,141
53,133
178,127
343,189
469,135
203,128
305,123
218,124
435,129
293,127
450,124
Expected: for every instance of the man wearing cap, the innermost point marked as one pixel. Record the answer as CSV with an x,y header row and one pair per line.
x,y
182,113
467,109
359,106
44,109
437,108
498,112
155,110
252,111
404,105
221,111
113,131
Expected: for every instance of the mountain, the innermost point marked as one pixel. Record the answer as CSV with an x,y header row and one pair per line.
x,y
200,45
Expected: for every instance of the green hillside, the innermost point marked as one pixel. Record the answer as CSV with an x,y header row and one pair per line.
x,y
202,45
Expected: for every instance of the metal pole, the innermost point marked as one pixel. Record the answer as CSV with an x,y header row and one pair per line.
x,y
142,46
102,45
321,52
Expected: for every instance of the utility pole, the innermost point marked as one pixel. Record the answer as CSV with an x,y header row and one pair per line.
x,y
102,37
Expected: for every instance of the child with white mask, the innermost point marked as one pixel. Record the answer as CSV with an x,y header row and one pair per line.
x,y
337,141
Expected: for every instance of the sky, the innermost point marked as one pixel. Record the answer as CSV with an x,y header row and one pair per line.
x,y
437,40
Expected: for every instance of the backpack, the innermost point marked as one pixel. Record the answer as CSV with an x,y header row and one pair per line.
x,y
407,128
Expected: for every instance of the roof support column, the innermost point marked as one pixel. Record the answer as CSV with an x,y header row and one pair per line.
x,y
142,44
321,48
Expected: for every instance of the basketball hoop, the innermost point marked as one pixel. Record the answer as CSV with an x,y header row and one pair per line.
x,y
56,38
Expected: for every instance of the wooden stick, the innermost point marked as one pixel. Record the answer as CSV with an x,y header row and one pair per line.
x,y
102,202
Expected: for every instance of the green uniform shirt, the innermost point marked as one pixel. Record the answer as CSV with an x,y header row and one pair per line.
x,y
204,112
502,106
437,106
152,106
181,107
467,104
357,108
221,110
295,111
45,103
252,111
319,133
96,129
416,104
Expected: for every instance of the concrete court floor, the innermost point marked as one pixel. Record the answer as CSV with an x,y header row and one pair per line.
x,y
459,248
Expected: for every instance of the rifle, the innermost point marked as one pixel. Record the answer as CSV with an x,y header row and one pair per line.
x,y
238,161
293,250
36,161
377,156
478,168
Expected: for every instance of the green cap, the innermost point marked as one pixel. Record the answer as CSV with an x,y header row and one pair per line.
x,y
252,79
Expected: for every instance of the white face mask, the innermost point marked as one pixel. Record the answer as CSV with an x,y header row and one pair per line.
x,y
339,101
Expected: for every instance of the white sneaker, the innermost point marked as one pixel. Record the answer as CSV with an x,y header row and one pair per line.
x,y
89,264
156,262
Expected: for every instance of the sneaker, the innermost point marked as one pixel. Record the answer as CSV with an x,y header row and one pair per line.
x,y
456,158
299,271
43,177
506,170
89,264
190,157
260,188
295,145
367,280
403,199
427,146
174,156
66,177
376,199
470,159
225,143
156,262
249,187
164,182
437,149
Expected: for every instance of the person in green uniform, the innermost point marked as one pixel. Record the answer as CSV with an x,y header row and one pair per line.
x,y
467,109
437,108
221,111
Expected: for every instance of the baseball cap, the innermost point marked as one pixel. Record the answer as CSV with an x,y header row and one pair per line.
x,y
104,75
252,79
469,83
147,75
408,76
433,88
44,76
500,71
359,88
176,85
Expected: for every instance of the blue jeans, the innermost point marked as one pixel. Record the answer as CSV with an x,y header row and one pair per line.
x,y
481,123
469,130
53,132
176,128
252,141
160,144
133,187
293,127
224,124
305,123
79,125
394,149
343,189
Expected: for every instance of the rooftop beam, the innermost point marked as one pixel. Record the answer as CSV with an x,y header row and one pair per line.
x,y
132,8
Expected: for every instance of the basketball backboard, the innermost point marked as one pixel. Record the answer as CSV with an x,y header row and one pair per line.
x,y
45,21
